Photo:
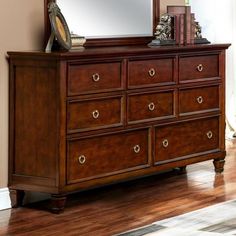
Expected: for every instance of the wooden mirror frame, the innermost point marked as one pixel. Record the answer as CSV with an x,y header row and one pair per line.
x,y
99,42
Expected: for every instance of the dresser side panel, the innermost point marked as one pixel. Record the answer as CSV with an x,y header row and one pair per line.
x,y
34,115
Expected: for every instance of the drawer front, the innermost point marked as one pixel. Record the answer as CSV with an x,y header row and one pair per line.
x,y
151,72
198,67
150,106
94,114
94,78
106,155
184,140
198,100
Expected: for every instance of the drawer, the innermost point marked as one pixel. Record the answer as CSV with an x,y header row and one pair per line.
x,y
151,72
174,142
94,78
107,155
198,100
150,106
94,114
198,67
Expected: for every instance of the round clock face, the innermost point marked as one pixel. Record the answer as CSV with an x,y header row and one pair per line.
x,y
60,28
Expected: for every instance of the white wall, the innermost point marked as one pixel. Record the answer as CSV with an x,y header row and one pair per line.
x,y
218,21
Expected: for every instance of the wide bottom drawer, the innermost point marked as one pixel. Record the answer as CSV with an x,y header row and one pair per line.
x,y
107,155
186,140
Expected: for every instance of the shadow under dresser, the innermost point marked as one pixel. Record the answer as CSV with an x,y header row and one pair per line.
x,y
79,120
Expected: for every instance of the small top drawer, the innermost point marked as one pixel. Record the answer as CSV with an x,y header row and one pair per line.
x,y
198,67
94,114
90,78
151,72
106,155
197,100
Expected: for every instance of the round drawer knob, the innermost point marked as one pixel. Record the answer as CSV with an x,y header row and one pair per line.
x,y
151,106
209,135
82,159
200,99
152,72
165,143
96,77
95,114
200,67
137,148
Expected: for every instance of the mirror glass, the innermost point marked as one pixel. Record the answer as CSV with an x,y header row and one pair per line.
x,y
108,18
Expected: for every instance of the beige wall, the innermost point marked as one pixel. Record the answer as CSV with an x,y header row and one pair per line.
x,y
21,24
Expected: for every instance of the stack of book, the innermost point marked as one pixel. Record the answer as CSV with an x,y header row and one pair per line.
x,y
184,24
77,42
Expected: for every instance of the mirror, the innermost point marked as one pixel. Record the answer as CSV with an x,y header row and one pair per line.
x,y
109,22
108,18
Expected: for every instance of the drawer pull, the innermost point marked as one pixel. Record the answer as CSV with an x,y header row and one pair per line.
x,y
165,143
82,159
95,114
200,99
137,148
200,67
152,72
209,135
96,77
151,106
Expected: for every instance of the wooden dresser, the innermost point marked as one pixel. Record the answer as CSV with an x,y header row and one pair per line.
x,y
85,119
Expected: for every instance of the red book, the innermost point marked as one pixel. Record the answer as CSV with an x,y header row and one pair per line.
x,y
177,29
188,25
193,26
181,28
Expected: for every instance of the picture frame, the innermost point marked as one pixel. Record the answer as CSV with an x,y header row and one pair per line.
x,y
59,28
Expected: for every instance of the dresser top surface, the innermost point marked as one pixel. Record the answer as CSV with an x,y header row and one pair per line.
x,y
120,51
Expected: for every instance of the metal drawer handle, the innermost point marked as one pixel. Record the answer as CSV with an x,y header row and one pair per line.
x,y
200,99
95,114
152,72
165,143
137,148
82,159
200,67
209,135
151,106
96,77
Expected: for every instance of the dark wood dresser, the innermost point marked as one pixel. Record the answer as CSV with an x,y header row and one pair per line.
x,y
84,119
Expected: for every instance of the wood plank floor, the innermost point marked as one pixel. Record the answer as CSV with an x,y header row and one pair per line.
x,y
121,207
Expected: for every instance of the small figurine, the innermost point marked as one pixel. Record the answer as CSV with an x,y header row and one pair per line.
x,y
198,30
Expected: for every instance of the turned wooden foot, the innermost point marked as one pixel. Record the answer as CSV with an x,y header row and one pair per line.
x,y
17,197
219,165
58,203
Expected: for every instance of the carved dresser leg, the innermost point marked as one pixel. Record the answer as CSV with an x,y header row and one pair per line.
x,y
17,197
219,165
58,203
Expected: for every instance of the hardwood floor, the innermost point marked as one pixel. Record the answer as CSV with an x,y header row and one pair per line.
x,y
125,206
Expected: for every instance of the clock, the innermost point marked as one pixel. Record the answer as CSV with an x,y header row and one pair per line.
x,y
59,28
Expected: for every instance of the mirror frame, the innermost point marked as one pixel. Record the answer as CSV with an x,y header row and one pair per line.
x,y
100,42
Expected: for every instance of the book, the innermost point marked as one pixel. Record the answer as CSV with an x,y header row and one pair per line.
x,y
77,41
181,28
184,27
193,28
